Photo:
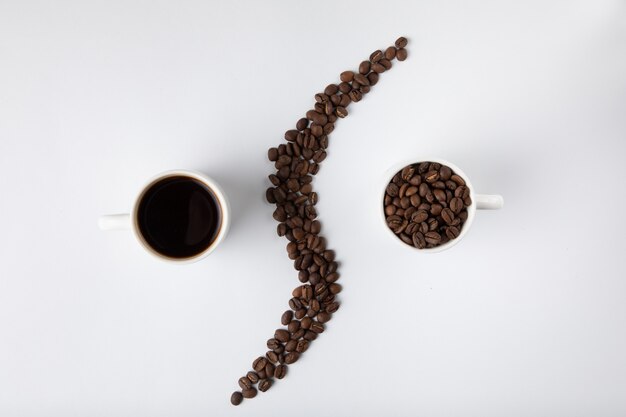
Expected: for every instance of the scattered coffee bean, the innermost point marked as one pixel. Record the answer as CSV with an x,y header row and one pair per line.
x,y
236,398
280,371
249,392
313,303
265,384
437,203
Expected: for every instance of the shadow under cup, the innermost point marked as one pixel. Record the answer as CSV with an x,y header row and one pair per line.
x,y
179,217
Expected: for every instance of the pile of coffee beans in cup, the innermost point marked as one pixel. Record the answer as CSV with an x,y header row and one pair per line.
x,y
426,204
313,302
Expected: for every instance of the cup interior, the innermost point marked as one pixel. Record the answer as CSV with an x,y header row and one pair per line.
x,y
206,195
471,209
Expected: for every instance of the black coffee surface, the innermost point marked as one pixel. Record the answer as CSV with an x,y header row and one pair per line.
x,y
179,217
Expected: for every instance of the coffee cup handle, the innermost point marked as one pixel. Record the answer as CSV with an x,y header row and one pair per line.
x,y
114,222
489,202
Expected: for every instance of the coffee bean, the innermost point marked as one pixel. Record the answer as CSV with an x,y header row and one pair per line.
x,y
265,384
456,204
300,313
364,68
393,189
269,369
236,398
249,392
401,42
347,76
385,63
259,363
281,335
332,307
341,112
272,343
452,232
376,56
390,53
271,356
302,346
447,215
323,317
330,89
317,327
245,383
291,357
280,371
253,377
431,176
355,95
457,180
401,55
432,237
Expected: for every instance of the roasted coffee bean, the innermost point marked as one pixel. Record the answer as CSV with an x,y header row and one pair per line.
x,y
291,357
262,374
245,383
457,180
418,240
317,327
306,323
236,398
376,56
280,371
259,363
456,205
385,63
341,112
302,346
364,67
290,346
401,42
332,307
323,317
432,237
272,356
440,195
288,315
447,215
310,336
273,343
361,79
402,54
297,335
300,313
346,76
452,232
302,124
373,78
281,335
265,384
249,393
390,53
269,369
355,95
253,377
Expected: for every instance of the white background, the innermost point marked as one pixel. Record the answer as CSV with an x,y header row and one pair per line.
x,y
525,317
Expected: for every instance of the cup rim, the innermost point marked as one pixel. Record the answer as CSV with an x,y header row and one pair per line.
x,y
214,188
471,209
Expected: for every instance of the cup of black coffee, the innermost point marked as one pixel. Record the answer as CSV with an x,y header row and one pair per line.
x,y
179,216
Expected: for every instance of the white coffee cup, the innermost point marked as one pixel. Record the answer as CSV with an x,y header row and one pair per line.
x,y
479,201
130,220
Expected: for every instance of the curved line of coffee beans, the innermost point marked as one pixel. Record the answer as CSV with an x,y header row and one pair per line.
x,y
312,303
